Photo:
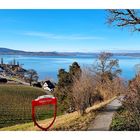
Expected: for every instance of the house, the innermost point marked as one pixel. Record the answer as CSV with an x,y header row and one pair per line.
x,y
48,85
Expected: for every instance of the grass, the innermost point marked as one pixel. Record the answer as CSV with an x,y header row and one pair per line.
x,y
71,121
15,104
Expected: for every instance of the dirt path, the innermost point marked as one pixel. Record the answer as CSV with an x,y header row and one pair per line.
x,y
104,118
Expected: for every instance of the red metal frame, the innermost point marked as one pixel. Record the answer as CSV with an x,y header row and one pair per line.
x,y
41,102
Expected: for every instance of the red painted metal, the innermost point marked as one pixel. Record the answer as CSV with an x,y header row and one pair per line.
x,y
41,101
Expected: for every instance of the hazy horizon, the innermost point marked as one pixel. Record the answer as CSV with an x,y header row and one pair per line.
x,y
97,51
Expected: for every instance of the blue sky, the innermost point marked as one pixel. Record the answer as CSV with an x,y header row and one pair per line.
x,y
63,31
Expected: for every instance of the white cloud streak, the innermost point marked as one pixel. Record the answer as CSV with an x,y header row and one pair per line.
x,y
61,37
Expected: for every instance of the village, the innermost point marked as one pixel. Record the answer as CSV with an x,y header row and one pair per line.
x,y
14,73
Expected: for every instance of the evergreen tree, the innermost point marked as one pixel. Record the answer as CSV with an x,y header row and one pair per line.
x,y
75,70
64,86
63,79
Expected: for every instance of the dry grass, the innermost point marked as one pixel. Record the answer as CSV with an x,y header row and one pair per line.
x,y
71,121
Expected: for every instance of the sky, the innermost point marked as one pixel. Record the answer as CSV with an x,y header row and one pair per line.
x,y
63,31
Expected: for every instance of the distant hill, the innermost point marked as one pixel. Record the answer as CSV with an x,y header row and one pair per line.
x,y
6,51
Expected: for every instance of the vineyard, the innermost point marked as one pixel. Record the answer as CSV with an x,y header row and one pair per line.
x,y
15,104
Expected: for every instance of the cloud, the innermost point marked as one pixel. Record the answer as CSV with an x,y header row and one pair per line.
x,y
61,37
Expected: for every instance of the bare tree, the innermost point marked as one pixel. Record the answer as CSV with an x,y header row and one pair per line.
x,y
111,88
106,67
90,88
31,76
84,91
125,18
116,87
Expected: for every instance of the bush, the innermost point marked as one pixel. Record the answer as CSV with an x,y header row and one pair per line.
x,y
132,100
122,122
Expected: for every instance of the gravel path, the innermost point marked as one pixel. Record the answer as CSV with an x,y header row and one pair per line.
x,y
104,118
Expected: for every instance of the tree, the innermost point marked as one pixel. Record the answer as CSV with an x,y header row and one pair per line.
x,y
31,76
125,18
63,78
106,66
84,91
64,86
2,61
75,70
89,89
62,89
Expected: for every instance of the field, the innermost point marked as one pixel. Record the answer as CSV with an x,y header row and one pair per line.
x,y
15,104
71,121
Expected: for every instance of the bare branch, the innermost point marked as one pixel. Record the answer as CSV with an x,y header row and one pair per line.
x,y
125,18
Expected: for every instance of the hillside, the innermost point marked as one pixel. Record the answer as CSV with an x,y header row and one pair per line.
x,y
69,122
6,51
15,104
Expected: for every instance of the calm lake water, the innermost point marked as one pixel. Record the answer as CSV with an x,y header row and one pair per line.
x,y
48,66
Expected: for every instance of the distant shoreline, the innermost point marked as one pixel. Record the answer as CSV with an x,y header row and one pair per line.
x,y
6,51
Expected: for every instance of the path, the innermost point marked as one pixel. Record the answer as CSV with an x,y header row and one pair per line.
x,y
104,118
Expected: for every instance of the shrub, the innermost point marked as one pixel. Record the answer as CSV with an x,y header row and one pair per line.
x,y
132,100
122,122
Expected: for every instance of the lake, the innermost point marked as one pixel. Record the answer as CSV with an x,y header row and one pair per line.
x,y
48,66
